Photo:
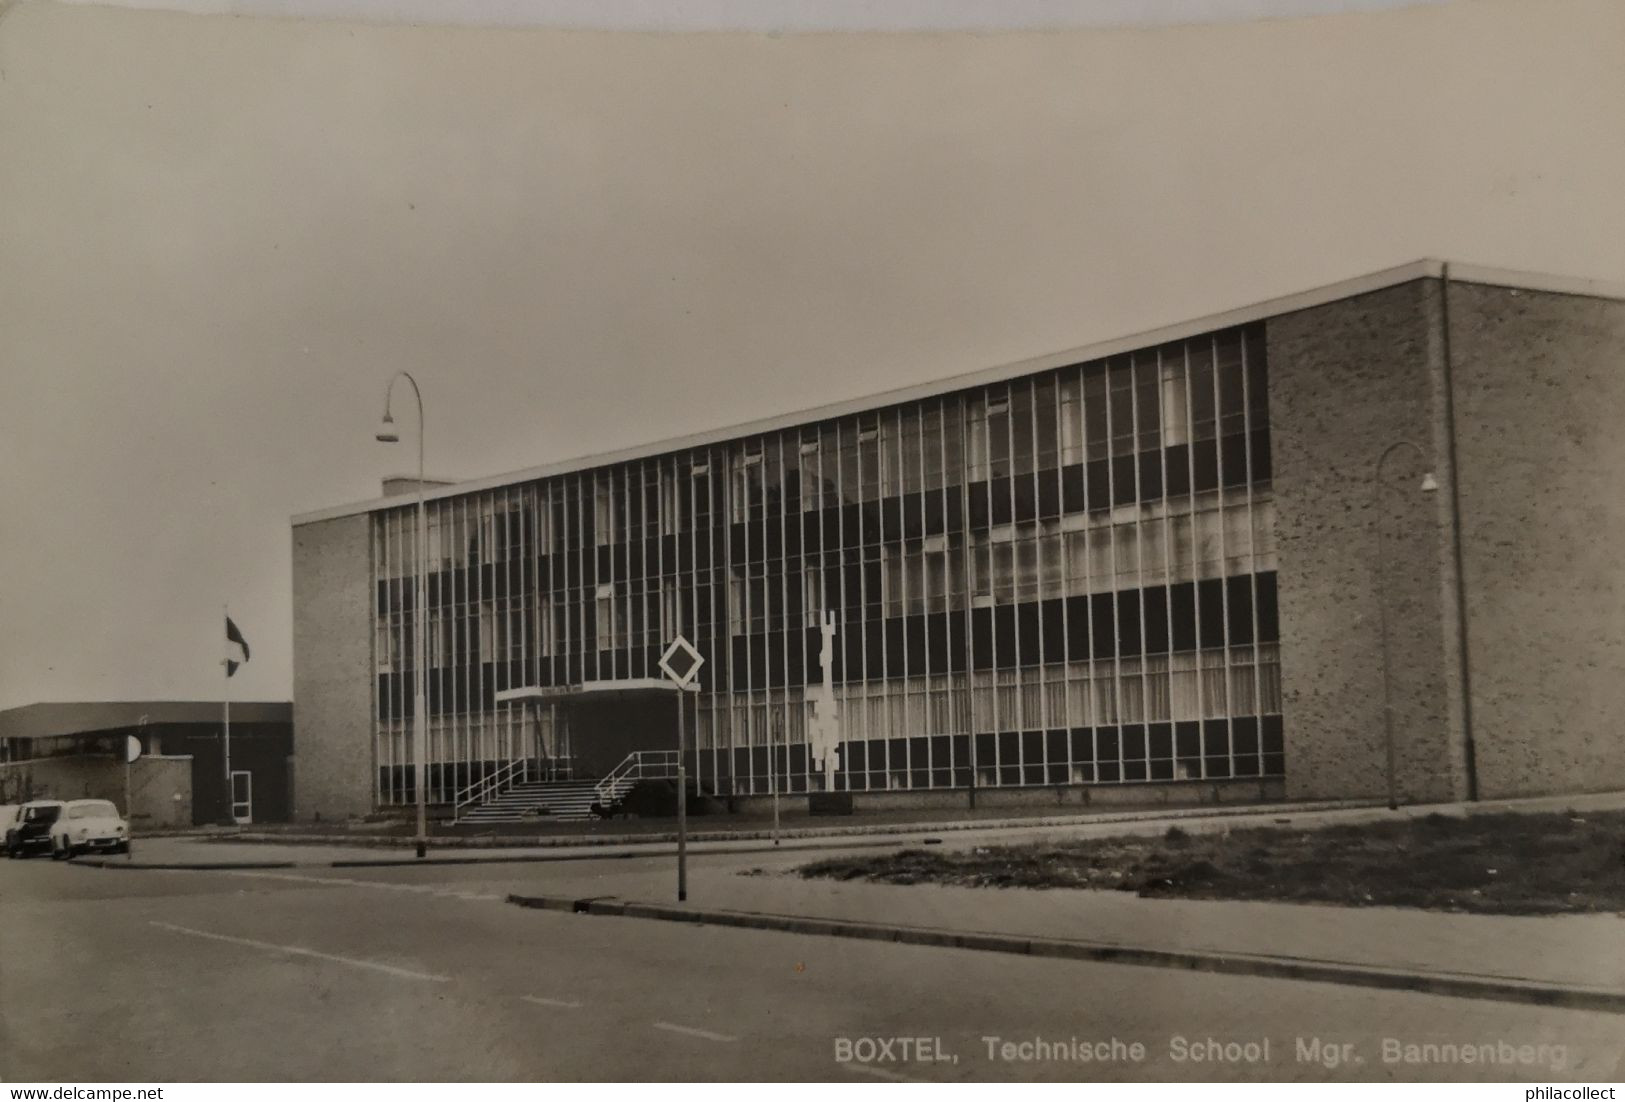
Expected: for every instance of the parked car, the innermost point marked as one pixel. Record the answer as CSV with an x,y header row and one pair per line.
x,y
30,833
8,820
86,826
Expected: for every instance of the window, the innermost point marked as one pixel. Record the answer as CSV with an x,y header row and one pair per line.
x,y
736,603
811,476
976,440
608,618
812,596
603,511
1095,434
440,640
894,584
1232,387
489,542
515,620
1175,410
673,503
1022,442
488,631
672,620
872,458
747,482
544,626
1071,412
439,556
1045,413
1200,395
387,645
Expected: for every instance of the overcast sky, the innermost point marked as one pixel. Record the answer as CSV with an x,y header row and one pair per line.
x,y
220,235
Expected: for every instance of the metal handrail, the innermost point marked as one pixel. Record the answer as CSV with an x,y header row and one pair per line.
x,y
480,790
636,766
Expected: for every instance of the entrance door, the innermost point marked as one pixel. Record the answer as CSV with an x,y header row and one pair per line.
x,y
242,796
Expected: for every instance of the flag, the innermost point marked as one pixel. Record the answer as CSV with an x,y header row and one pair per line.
x,y
235,644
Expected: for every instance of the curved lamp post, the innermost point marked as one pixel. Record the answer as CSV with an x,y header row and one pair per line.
x,y
1429,485
420,658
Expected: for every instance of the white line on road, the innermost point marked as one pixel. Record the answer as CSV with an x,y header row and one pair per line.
x,y
879,1073
404,973
542,1001
690,1031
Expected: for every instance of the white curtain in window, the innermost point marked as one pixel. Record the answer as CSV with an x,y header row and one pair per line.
x,y
1269,687
1157,702
1184,700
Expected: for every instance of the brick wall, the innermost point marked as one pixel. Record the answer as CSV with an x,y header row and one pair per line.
x,y
155,781
1347,380
1540,404
332,668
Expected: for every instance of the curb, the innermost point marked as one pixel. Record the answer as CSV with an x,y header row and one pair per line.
x,y
546,841
484,859
1452,984
614,855
213,866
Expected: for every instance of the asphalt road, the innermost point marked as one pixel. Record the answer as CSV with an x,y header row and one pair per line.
x,y
427,974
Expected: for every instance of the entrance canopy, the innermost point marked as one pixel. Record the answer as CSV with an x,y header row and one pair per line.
x,y
624,689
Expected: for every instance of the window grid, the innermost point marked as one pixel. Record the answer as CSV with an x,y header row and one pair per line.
x,y
1068,578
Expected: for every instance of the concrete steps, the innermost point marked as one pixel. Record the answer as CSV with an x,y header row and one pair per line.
x,y
557,802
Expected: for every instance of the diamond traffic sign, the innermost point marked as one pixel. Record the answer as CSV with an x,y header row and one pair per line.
x,y
681,662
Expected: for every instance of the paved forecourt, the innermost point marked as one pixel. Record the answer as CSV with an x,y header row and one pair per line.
x,y
394,973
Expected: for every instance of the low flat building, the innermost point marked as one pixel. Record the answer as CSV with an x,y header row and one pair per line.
x,y
76,750
1356,542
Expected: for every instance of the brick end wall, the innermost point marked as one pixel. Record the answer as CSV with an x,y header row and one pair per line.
x,y
332,669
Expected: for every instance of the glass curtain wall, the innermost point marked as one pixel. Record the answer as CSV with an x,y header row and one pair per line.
x,y
1065,578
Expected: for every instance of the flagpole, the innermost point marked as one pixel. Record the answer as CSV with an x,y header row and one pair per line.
x,y
225,668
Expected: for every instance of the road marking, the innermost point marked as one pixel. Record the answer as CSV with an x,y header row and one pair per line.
x,y
879,1073
690,1031
404,973
541,1001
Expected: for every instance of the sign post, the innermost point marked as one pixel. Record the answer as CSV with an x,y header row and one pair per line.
x,y
681,664
132,750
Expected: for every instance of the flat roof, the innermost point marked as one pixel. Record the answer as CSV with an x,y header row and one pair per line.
x,y
1258,311
83,717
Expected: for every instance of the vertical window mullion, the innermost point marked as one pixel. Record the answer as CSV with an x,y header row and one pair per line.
x,y
1135,366
927,687
1224,549
840,572
1063,548
784,608
1097,713
890,679
1196,573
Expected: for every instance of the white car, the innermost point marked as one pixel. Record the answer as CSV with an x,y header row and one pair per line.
x,y
86,826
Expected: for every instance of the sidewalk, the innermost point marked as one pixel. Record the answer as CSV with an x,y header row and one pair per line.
x,y
796,825
1572,960
1568,960
215,852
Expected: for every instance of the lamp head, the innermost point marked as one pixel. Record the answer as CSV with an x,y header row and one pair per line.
x,y
1429,483
386,431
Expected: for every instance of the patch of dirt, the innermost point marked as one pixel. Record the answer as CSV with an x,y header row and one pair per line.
x,y
1559,863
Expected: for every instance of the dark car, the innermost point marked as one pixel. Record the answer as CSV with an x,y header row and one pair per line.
x,y
32,832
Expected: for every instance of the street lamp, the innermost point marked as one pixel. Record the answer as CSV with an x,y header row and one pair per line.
x,y
1428,485
387,434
